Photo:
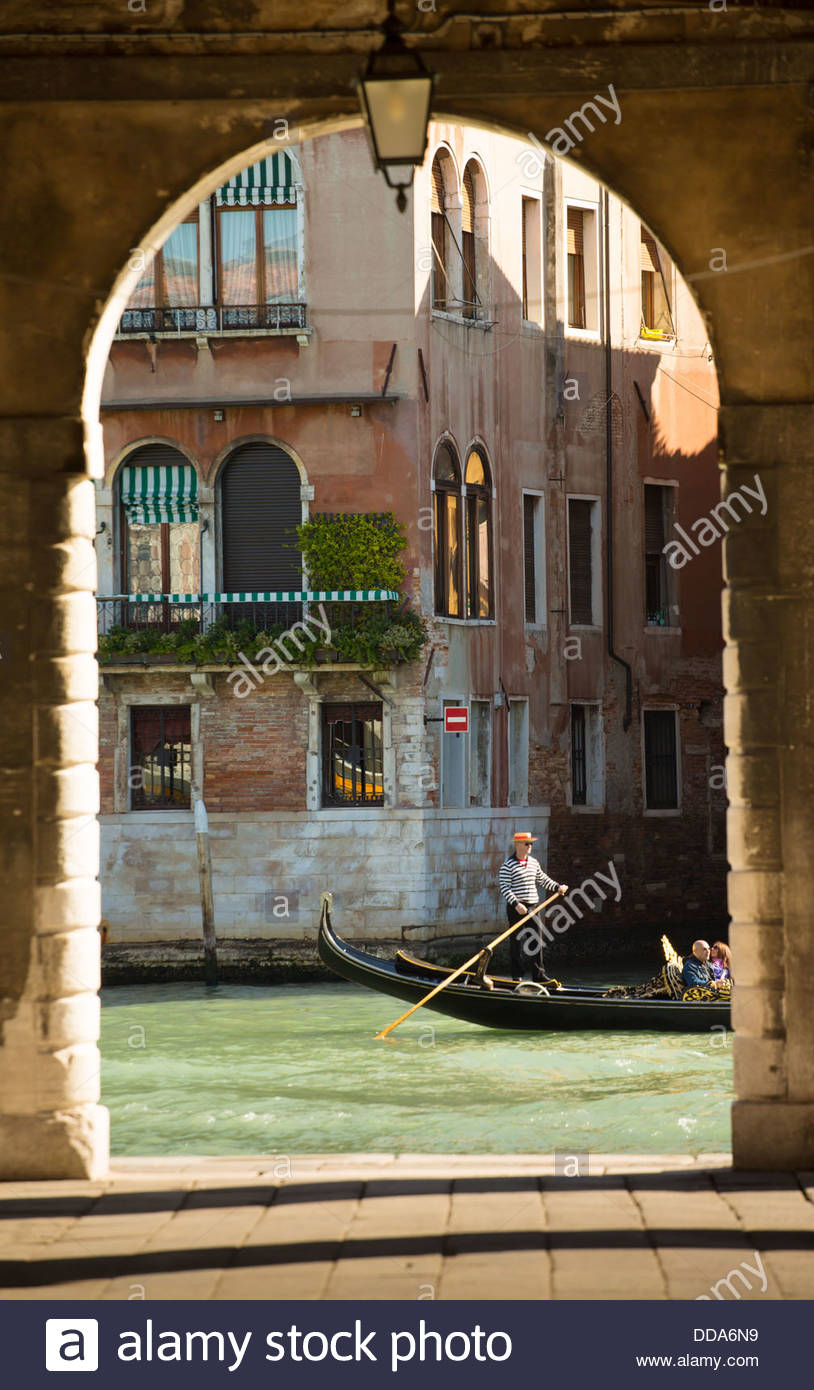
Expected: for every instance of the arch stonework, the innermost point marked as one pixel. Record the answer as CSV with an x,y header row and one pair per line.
x,y
115,119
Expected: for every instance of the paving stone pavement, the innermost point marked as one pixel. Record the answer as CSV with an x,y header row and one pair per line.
x,y
413,1226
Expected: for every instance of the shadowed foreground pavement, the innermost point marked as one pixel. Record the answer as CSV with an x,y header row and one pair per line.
x,y
347,1226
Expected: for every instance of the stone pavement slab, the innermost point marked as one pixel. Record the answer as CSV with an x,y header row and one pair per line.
x,y
411,1226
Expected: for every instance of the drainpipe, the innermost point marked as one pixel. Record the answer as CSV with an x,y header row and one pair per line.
x,y
609,475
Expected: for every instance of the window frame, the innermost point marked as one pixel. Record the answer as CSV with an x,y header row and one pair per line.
x,y
159,301
329,801
662,810
595,557
668,577
259,210
443,490
592,273
540,621
529,197
161,709
472,493
594,758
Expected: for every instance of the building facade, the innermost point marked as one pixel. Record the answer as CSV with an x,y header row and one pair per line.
x,y
514,374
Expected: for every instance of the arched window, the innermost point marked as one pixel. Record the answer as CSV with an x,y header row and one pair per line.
x,y
479,603
260,511
443,244
158,493
448,548
474,242
258,280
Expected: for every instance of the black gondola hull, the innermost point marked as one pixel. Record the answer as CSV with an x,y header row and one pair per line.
x,y
503,1008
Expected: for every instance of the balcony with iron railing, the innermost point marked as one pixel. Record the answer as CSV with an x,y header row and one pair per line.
x,y
368,628
199,319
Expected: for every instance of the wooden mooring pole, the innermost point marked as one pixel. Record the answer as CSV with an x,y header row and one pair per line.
x,y
207,902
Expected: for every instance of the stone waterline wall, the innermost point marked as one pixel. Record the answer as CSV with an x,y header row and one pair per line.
x,y
392,872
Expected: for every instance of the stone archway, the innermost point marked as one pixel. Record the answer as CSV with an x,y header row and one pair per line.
x,y
713,149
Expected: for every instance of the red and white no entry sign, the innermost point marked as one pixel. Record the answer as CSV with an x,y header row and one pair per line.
x,y
456,719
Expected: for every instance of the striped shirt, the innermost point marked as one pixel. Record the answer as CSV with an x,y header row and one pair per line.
x,y
520,882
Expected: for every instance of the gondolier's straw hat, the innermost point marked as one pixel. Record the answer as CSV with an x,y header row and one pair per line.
x,y
524,835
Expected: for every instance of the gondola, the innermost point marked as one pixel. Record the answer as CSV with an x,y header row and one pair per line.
x,y
503,1006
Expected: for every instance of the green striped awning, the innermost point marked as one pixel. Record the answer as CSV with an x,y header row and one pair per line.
x,y
269,181
275,596
164,492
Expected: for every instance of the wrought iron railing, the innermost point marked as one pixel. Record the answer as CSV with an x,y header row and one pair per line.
x,y
218,318
190,614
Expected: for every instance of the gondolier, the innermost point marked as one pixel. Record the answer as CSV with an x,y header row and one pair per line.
x,y
523,883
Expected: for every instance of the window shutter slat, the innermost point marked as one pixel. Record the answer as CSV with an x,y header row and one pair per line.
x,y
575,232
579,560
468,209
437,204
653,519
649,253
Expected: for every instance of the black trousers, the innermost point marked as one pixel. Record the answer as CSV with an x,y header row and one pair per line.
x,y
525,945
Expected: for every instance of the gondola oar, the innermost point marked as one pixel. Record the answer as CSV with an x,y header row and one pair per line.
x,y
539,907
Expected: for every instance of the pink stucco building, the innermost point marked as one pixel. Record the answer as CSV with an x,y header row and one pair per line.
x,y
514,369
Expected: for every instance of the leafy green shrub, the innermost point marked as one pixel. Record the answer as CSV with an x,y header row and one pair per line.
x,y
354,551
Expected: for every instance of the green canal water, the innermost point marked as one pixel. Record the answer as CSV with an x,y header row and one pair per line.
x,y
294,1069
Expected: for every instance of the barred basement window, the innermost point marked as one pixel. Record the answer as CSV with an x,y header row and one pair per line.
x,y
579,765
352,762
660,760
160,773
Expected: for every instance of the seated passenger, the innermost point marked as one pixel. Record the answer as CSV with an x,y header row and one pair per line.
x,y
697,970
720,958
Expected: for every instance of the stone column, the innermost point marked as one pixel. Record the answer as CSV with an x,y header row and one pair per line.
x,y
50,1123
769,729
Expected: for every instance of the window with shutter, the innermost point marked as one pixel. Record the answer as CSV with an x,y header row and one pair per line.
x,y
658,598
579,772
657,317
580,560
440,248
660,760
575,247
530,505
468,248
260,512
448,542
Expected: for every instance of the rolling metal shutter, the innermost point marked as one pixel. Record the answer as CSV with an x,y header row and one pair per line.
x,y
260,510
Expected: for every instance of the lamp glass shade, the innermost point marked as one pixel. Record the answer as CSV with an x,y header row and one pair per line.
x,y
398,112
